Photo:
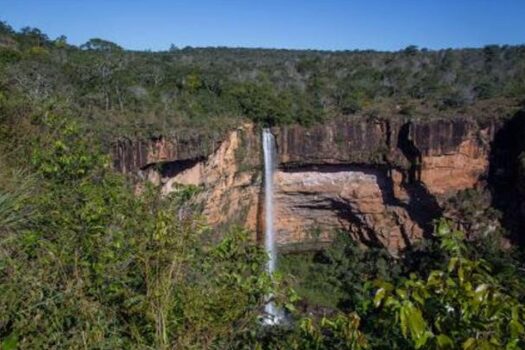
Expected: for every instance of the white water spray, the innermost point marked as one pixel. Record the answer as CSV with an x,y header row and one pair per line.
x,y
273,314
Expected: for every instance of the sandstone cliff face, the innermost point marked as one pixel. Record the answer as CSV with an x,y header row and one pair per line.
x,y
446,155
380,180
129,156
230,179
456,170
310,204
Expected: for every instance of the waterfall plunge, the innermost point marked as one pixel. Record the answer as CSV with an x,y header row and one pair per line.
x,y
269,238
273,314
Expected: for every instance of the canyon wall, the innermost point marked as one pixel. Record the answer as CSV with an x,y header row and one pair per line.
x,y
380,180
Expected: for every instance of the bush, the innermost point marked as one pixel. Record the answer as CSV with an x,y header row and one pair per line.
x,y
462,305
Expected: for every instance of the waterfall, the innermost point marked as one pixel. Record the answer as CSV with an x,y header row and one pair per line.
x,y
269,236
273,314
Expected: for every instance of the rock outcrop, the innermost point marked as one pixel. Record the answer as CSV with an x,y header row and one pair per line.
x,y
230,178
310,204
381,180
132,155
446,155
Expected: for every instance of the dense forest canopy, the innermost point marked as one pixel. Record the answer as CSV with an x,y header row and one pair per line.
x,y
128,92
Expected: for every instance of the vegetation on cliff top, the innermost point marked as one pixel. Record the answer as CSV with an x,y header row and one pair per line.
x,y
116,91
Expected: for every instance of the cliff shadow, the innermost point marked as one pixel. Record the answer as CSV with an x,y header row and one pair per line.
x,y
422,207
170,169
259,230
410,151
506,183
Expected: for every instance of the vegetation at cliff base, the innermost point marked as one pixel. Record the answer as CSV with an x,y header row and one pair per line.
x,y
446,293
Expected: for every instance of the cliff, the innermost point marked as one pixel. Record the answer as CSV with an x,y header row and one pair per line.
x,y
132,155
381,180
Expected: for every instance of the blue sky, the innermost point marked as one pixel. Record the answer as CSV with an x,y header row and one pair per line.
x,y
321,24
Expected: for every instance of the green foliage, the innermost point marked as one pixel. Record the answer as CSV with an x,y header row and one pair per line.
x,y
462,305
351,103
337,332
115,91
411,50
98,44
263,104
97,266
16,187
337,276
341,279
68,158
310,280
11,207
8,56
6,28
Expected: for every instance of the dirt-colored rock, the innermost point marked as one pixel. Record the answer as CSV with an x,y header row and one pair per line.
x,y
448,173
312,204
132,155
230,179
380,180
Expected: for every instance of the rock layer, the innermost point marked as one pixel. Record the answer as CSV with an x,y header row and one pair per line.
x,y
313,203
380,180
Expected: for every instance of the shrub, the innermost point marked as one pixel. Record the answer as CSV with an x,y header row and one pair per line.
x,y
463,305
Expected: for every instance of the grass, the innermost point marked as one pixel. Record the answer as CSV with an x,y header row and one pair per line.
x,y
15,188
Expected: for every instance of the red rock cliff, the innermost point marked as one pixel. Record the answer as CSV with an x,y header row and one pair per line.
x,y
381,180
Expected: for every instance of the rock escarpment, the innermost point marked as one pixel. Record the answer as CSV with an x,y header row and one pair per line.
x,y
132,155
381,180
313,203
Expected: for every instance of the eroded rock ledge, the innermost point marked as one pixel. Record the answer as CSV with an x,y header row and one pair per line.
x,y
381,180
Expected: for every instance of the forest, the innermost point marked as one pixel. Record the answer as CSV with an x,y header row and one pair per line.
x,y
135,92
88,263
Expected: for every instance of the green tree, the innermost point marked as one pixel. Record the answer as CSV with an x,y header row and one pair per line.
x,y
98,44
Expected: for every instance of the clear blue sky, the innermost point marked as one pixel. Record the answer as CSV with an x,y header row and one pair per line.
x,y
320,24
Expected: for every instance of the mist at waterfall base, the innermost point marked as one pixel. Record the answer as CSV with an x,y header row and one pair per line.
x,y
272,314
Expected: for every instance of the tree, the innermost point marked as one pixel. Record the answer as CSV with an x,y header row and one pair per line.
x,y
98,44
5,28
411,50
35,36
61,42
